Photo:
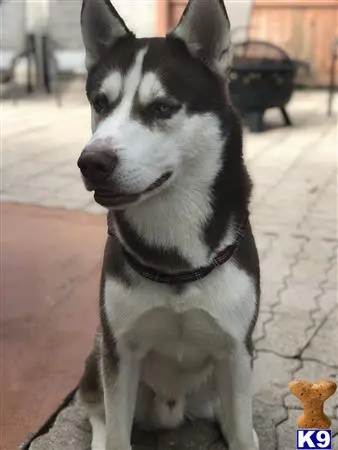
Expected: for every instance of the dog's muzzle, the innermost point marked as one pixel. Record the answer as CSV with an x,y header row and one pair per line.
x,y
97,166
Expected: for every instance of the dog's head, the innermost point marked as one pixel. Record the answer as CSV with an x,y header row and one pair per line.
x,y
156,103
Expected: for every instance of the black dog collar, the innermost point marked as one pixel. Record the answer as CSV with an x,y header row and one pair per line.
x,y
188,276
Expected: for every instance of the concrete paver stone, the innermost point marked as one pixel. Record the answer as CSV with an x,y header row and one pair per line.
x,y
324,345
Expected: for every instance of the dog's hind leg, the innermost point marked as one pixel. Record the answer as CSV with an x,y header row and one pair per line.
x,y
120,385
91,396
233,383
98,432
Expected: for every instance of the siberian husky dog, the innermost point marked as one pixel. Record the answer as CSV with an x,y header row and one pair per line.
x,y
180,280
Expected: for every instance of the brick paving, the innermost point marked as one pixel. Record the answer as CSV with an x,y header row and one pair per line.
x,y
294,214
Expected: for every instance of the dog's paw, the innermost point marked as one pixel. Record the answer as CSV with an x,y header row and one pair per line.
x,y
117,447
240,445
99,443
256,439
109,447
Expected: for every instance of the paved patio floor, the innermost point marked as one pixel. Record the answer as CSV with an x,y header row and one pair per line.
x,y
49,279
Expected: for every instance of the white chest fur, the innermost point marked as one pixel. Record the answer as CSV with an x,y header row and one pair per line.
x,y
187,328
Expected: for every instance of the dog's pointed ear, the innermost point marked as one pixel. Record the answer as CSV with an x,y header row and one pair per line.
x,y
101,26
205,29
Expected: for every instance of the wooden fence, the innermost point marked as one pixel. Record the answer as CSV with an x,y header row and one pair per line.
x,y
304,28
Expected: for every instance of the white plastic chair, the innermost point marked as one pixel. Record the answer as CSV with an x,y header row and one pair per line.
x,y
12,39
65,51
334,59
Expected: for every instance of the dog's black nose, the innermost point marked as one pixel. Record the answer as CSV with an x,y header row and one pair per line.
x,y
97,165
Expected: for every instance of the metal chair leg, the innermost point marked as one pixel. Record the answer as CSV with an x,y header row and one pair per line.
x,y
331,87
13,91
46,64
30,50
286,116
12,87
58,88
255,121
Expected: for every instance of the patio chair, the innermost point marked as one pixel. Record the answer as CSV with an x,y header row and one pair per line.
x,y
332,86
63,47
13,40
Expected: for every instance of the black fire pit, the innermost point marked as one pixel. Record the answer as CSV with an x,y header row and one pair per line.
x,y
262,77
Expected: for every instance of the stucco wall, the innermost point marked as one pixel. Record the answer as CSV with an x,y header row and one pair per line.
x,y
139,15
239,14
239,11
12,23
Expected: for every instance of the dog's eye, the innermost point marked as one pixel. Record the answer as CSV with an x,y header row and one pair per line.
x,y
101,104
163,109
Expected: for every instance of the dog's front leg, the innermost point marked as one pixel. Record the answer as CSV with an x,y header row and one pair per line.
x,y
120,385
233,383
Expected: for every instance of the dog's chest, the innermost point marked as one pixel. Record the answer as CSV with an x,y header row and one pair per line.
x,y
178,347
187,328
184,336
171,325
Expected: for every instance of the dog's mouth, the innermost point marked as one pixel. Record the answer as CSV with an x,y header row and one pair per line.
x,y
109,199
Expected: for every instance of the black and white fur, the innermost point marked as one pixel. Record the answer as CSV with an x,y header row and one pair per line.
x,y
166,160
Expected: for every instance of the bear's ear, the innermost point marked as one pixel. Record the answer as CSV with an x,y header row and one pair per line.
x,y
101,26
205,29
